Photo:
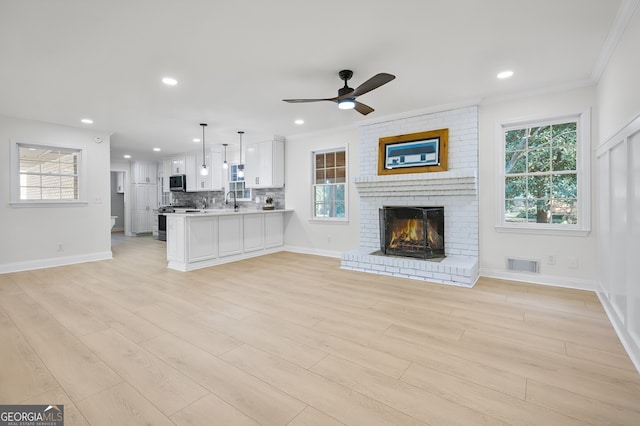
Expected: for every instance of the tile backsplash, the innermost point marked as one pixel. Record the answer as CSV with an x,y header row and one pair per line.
x,y
216,199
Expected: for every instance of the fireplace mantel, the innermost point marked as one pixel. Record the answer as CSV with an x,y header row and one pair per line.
x,y
459,182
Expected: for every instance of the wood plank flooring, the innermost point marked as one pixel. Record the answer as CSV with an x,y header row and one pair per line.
x,y
290,339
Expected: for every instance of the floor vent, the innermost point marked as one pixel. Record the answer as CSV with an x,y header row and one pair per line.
x,y
523,265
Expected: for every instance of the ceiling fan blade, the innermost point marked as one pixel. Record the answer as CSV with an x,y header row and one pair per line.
x,y
373,83
296,101
362,108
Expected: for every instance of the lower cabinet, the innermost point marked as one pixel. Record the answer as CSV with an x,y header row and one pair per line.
x,y
273,230
230,236
202,240
254,232
203,243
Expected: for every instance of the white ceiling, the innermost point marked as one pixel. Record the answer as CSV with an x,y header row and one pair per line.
x,y
63,60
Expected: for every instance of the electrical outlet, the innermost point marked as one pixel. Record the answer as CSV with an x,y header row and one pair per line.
x,y
572,262
257,199
328,238
60,248
551,259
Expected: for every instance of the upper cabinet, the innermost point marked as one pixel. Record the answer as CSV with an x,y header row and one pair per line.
x,y
178,166
190,166
143,172
166,172
192,172
213,180
264,164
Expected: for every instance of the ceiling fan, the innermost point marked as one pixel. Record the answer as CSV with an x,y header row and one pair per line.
x,y
346,98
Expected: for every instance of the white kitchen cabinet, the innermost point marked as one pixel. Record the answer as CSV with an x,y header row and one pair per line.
x,y
192,172
202,239
253,232
144,172
120,182
230,239
176,239
273,230
178,165
264,164
213,180
144,201
166,172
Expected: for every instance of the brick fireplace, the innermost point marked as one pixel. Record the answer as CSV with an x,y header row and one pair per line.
x,y
454,190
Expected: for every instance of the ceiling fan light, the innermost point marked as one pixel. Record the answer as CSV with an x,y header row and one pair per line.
x,y
348,103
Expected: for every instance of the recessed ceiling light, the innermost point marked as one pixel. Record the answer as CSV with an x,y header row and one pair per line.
x,y
156,149
169,81
87,121
196,140
126,156
505,74
299,122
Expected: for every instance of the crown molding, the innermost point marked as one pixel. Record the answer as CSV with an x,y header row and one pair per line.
x,y
618,27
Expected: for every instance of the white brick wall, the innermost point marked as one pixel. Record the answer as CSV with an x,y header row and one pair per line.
x,y
455,190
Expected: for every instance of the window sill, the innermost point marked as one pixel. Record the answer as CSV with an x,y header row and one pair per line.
x,y
543,230
20,204
333,221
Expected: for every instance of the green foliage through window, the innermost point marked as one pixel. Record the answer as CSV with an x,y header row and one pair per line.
x,y
541,178
329,177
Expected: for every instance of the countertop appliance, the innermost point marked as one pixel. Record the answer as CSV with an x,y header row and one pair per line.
x,y
178,183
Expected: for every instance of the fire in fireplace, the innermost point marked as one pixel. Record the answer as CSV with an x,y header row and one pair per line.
x,y
412,231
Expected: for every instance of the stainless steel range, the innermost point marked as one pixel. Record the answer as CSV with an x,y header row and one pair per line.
x,y
162,219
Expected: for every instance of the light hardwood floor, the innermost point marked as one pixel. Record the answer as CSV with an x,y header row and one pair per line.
x,y
290,339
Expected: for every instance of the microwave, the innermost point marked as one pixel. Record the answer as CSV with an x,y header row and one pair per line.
x,y
178,183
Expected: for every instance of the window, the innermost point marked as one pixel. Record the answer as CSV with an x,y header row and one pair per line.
x,y
45,174
545,175
236,184
329,185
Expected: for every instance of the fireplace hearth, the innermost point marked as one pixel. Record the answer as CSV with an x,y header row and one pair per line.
x,y
416,232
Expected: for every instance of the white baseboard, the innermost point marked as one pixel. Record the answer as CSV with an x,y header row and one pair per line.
x,y
308,250
625,338
575,283
53,262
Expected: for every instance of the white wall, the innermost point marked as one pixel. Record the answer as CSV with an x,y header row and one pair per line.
x,y
301,233
619,85
496,246
30,236
618,189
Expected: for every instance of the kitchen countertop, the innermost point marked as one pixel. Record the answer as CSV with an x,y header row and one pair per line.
x,y
222,212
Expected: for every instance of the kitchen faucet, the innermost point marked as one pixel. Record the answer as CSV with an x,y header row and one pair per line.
x,y
235,200
204,202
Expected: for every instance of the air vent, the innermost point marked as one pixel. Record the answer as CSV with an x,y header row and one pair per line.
x,y
523,265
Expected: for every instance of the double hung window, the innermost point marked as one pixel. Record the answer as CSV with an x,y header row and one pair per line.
x,y
329,185
545,175
236,184
46,174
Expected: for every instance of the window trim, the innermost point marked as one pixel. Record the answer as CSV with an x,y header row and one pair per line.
x,y
336,220
15,200
583,170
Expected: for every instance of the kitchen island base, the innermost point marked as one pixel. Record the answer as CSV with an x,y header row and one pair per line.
x,y
202,240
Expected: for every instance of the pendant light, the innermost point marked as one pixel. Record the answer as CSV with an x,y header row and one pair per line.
x,y
203,170
241,166
225,165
